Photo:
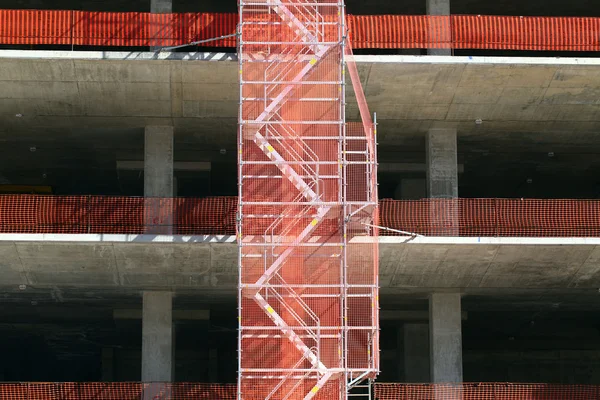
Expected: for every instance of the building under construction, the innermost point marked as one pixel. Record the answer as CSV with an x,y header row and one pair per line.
x,y
299,199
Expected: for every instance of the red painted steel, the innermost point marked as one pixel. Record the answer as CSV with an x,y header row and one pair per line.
x,y
48,27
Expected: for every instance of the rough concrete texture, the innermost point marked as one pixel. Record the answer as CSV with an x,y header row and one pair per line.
x,y
416,353
442,164
157,337
161,6
158,161
202,97
445,338
404,268
439,7
158,178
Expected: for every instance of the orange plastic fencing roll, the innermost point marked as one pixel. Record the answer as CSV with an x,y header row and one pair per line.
x,y
486,391
217,216
88,28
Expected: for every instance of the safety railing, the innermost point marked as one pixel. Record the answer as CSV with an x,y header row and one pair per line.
x,y
86,28
485,391
210,391
217,216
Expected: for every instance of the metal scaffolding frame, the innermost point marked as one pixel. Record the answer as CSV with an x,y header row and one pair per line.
x,y
307,236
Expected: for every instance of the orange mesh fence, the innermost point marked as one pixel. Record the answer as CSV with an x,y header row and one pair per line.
x,y
206,391
366,31
493,217
217,216
123,215
485,391
116,391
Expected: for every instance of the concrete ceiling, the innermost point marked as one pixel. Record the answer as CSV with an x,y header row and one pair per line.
x,y
84,111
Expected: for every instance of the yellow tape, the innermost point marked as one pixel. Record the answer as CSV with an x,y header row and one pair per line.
x,y
315,389
270,148
314,222
270,310
313,61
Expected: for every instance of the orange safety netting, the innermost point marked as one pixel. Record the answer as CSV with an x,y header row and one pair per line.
x,y
493,217
216,216
485,391
88,28
116,391
308,325
382,391
123,215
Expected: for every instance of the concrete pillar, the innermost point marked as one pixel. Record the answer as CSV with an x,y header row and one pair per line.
x,y
157,337
158,179
440,7
442,164
416,353
161,6
442,181
445,335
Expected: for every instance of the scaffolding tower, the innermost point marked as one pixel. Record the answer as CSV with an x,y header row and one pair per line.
x,y
307,217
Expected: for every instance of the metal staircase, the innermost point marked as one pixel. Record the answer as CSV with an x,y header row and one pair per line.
x,y
298,337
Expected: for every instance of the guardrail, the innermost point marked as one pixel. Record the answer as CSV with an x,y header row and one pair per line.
x,y
87,28
217,216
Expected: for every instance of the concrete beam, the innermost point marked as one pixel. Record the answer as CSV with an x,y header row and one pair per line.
x,y
445,336
202,166
403,315
178,315
157,337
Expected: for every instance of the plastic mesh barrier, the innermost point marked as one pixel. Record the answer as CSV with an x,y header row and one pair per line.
x,y
206,391
217,216
48,27
122,215
486,391
116,391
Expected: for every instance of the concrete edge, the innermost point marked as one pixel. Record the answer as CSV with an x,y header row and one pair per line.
x,y
212,56
182,239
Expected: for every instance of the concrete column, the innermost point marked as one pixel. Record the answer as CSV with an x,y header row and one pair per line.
x,y
440,7
442,181
157,337
445,335
416,353
158,179
442,164
161,6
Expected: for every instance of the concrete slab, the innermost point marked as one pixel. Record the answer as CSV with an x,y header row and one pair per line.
x,y
418,264
411,94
